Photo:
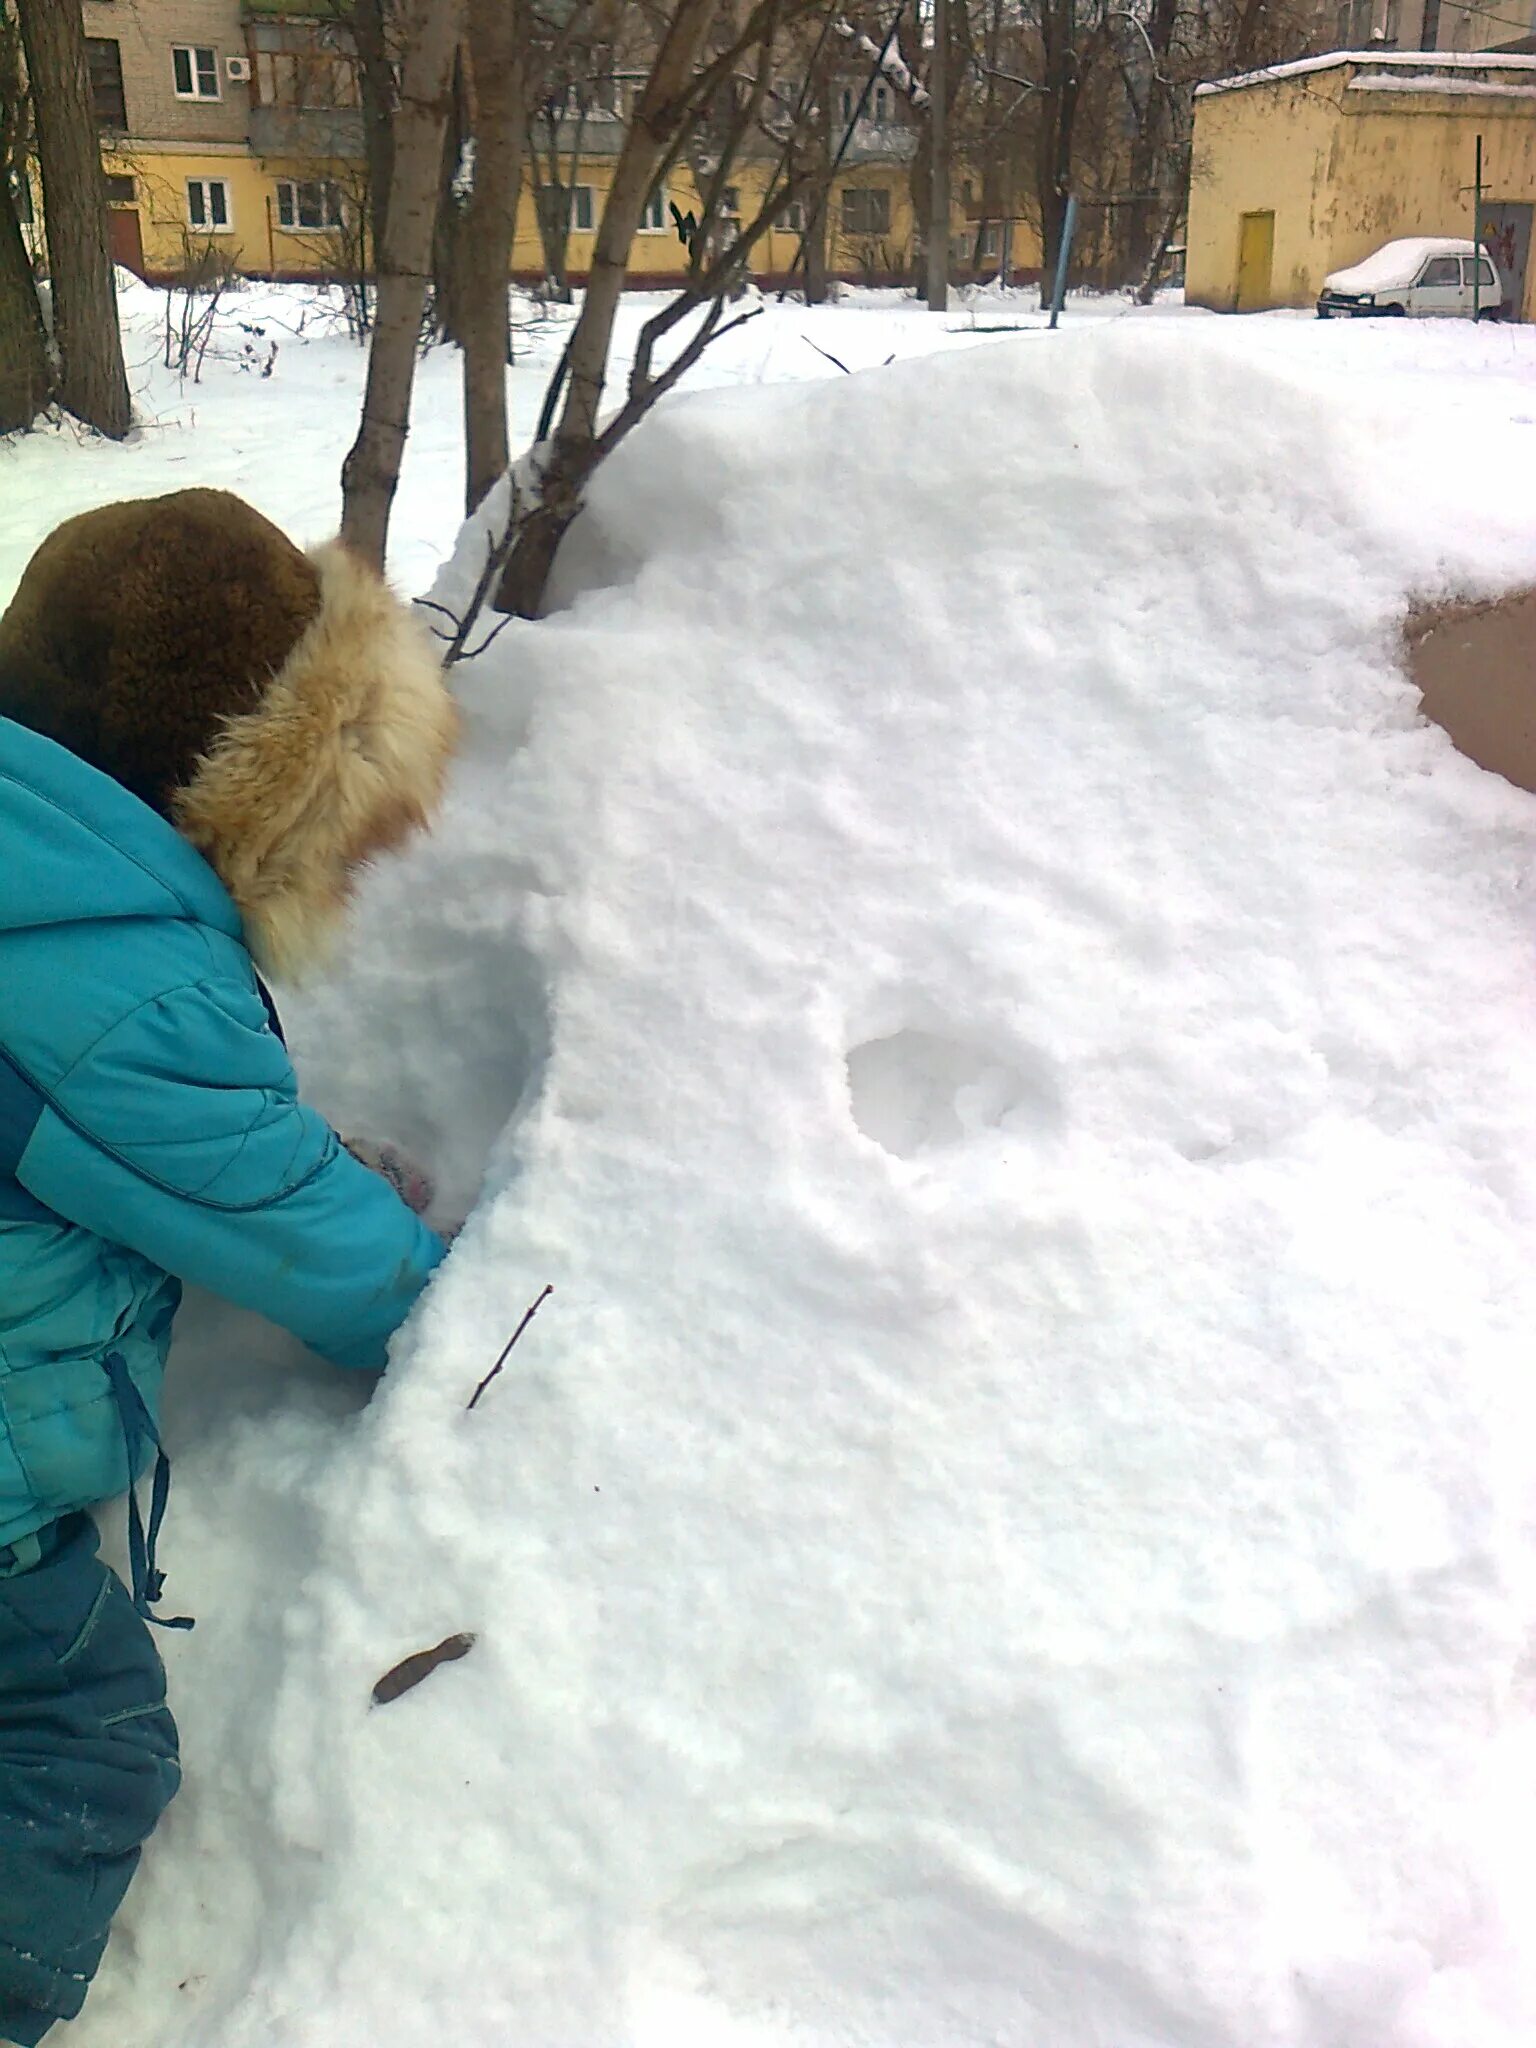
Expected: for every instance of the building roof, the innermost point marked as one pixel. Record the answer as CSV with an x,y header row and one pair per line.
x,y
1429,63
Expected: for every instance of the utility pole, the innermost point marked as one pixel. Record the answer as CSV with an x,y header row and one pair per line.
x,y
1477,231
938,188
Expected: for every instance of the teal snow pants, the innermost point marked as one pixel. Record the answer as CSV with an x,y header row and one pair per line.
x,y
88,1763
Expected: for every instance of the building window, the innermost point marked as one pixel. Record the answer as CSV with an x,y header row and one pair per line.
x,y
196,72
654,219
208,204
104,61
794,217
866,210
849,100
581,209
1388,32
730,202
880,103
121,191
307,204
991,242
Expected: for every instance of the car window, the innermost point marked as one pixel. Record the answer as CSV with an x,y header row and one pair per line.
x,y
1441,270
1484,271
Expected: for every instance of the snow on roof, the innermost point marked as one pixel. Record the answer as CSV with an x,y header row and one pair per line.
x,y
1428,81
1424,61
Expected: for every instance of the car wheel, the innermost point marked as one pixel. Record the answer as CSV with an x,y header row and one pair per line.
x,y
1323,313
1394,312
1488,312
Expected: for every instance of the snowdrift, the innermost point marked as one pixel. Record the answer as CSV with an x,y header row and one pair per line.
x,y
1015,1046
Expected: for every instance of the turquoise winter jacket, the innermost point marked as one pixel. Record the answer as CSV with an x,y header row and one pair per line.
x,y
150,1133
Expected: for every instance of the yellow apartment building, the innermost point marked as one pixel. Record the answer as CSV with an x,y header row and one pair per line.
x,y
234,128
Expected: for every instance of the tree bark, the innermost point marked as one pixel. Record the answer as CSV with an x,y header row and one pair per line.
x,y
93,383
664,107
371,472
26,377
377,86
498,32
26,374
448,251
936,266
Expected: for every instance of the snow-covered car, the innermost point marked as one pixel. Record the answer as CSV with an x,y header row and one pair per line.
x,y
1432,276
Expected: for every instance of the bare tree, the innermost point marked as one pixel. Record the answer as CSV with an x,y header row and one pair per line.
x,y
26,375
728,83
660,119
92,382
497,44
371,472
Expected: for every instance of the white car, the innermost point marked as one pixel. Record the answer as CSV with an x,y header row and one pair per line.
x,y
1428,275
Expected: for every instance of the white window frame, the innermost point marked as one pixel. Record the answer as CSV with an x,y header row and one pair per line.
x,y
580,193
209,226
793,222
880,103
195,71
332,207
655,220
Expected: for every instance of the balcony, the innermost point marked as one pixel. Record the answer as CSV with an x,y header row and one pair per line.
x,y
309,133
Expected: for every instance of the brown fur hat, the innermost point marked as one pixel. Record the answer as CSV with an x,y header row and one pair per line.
x,y
285,711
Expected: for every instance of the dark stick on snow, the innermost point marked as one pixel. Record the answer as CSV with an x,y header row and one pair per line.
x,y
410,1671
828,354
528,1317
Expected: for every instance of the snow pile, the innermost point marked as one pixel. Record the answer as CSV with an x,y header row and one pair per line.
x,y
1018,1056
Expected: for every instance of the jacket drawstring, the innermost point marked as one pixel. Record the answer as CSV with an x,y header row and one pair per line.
x,y
139,1424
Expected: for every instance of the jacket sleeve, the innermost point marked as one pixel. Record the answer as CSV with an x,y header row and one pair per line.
x,y
180,1134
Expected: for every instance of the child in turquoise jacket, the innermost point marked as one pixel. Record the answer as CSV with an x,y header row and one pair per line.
x,y
203,735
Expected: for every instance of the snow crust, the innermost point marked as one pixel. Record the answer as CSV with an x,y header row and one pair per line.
x,y
1015,1047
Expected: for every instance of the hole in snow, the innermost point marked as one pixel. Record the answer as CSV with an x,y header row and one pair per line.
x,y
918,1091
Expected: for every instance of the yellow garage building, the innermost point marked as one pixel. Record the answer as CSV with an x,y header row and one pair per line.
x,y
1306,168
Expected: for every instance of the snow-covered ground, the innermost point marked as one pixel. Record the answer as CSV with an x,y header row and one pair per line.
x,y
1015,1047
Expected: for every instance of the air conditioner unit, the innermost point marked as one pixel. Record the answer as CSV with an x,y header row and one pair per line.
x,y
237,69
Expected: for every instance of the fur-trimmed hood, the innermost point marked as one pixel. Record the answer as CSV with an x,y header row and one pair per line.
x,y
286,712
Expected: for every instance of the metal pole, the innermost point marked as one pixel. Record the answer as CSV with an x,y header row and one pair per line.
x,y
1064,257
1477,230
938,184
1003,265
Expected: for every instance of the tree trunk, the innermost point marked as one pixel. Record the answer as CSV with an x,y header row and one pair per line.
x,y
663,109
26,377
378,89
371,472
448,251
1146,290
93,383
936,267
497,42
818,151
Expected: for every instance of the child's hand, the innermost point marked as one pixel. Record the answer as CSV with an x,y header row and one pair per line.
x,y
414,1187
